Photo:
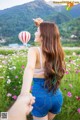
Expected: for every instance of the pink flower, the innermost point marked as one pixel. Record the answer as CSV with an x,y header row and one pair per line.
x,y
73,62
78,110
78,97
16,76
70,85
69,94
66,72
69,68
22,66
77,71
14,97
70,60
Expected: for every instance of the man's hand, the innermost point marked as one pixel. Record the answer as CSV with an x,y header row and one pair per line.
x,y
25,102
21,107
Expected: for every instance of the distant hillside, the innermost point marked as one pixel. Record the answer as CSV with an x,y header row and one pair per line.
x,y
59,18
15,19
70,28
74,12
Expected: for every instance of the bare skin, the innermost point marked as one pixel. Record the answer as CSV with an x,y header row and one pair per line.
x,y
50,115
37,21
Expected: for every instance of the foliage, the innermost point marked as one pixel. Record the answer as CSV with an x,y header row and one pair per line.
x,y
70,28
19,18
12,69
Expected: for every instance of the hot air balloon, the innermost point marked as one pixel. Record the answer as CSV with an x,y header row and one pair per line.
x,y
24,37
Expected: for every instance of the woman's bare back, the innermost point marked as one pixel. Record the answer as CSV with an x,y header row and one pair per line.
x,y
38,66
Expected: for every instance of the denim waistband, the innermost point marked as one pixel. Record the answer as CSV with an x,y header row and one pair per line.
x,y
38,79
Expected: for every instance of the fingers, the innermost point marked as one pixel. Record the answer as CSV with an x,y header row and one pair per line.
x,y
37,21
32,99
26,99
31,107
29,110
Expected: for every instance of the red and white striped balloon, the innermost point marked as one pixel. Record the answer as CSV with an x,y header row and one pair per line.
x,y
24,37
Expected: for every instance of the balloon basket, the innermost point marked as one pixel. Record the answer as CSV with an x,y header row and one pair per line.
x,y
24,44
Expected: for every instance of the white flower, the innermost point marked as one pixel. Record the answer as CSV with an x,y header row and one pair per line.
x,y
4,71
77,59
74,63
68,65
14,67
4,62
0,66
9,94
10,68
9,60
7,76
8,81
74,53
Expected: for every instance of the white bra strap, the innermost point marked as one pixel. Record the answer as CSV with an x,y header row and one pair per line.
x,y
40,56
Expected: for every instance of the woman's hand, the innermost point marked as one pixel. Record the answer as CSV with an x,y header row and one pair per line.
x,y
37,21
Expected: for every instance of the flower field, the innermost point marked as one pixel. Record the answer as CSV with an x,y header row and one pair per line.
x,y
12,65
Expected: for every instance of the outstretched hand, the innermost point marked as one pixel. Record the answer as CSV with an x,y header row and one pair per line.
x,y
21,107
26,102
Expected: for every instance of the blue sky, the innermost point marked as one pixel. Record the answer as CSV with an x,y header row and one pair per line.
x,y
10,3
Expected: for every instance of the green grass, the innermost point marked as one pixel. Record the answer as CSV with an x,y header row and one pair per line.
x,y
12,68
71,43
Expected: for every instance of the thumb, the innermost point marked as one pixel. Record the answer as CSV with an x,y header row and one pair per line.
x,y
30,109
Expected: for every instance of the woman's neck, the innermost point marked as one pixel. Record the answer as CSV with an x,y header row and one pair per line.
x,y
40,45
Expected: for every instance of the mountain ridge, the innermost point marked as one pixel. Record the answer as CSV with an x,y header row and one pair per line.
x,y
16,19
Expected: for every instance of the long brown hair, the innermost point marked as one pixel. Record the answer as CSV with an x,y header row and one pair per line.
x,y
54,67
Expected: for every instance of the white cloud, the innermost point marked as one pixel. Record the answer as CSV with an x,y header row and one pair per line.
x,y
10,3
63,1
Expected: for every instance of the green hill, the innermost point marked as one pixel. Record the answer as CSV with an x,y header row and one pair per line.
x,y
16,19
70,28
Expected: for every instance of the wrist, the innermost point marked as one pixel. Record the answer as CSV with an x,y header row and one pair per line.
x,y
15,112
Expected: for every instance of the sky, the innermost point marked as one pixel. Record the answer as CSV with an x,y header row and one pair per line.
x,y
10,3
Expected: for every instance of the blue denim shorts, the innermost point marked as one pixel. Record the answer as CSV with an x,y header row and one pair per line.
x,y
45,101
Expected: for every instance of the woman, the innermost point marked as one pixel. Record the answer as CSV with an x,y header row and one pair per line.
x,y
46,67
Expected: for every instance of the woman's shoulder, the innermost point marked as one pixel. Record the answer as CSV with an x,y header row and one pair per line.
x,y
34,48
